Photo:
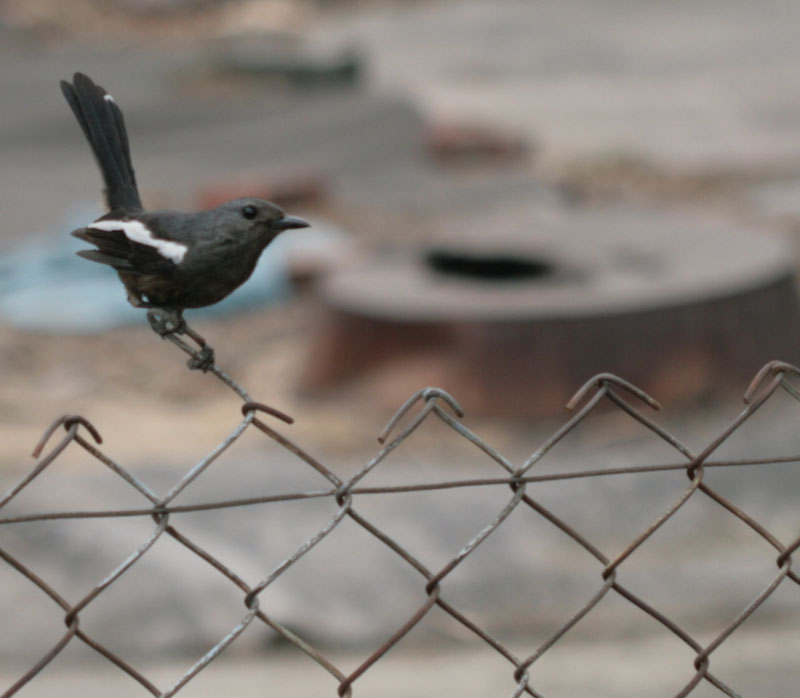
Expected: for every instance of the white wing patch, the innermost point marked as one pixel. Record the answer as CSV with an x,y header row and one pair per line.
x,y
136,231
108,98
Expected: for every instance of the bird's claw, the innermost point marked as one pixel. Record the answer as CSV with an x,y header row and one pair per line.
x,y
202,360
167,323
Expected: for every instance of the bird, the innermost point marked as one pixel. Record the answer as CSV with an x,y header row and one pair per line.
x,y
168,261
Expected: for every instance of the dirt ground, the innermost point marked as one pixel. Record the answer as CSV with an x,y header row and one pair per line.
x,y
687,107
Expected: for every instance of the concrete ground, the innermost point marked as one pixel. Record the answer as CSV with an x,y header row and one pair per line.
x,y
581,671
689,84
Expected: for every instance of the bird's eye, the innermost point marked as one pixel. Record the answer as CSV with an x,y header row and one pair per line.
x,y
249,212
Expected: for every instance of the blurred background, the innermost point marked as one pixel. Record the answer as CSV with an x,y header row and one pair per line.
x,y
506,198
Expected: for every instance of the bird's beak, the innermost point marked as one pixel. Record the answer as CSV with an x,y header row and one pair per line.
x,y
288,222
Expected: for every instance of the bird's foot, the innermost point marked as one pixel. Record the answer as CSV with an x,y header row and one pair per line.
x,y
168,324
202,360
166,321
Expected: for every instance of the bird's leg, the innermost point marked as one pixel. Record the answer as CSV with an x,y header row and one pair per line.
x,y
168,322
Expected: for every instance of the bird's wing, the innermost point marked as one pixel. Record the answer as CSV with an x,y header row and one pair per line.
x,y
129,246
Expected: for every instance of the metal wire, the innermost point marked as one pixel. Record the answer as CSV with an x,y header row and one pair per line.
x,y
429,403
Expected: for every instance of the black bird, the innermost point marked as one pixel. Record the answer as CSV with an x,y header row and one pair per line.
x,y
168,261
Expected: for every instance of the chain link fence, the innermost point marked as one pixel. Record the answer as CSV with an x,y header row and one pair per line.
x,y
519,480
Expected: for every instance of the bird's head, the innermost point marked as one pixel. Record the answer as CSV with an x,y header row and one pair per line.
x,y
255,219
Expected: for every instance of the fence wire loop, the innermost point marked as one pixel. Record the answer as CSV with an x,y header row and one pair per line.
x,y
786,555
67,421
252,406
520,491
430,396
772,368
602,382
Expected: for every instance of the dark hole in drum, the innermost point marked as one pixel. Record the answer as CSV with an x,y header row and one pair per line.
x,y
487,267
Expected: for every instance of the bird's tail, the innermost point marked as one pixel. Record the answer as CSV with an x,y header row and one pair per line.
x,y
104,127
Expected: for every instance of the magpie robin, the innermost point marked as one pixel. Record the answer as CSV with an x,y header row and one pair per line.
x,y
168,261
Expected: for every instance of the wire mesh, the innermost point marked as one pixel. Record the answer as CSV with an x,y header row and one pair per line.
x,y
520,480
